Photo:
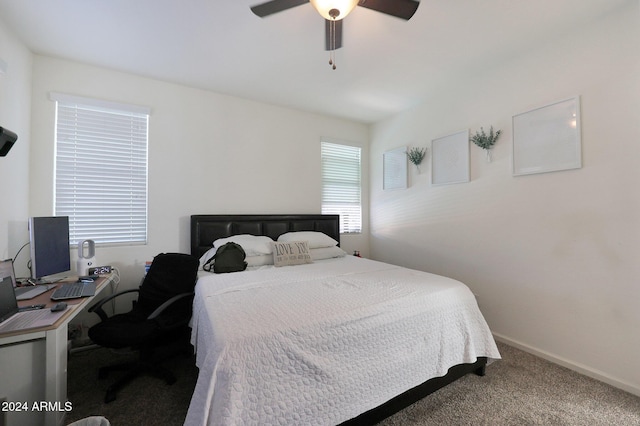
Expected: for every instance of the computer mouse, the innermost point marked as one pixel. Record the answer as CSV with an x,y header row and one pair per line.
x,y
60,306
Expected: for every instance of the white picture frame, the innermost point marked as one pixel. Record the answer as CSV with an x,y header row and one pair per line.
x,y
450,159
394,169
547,139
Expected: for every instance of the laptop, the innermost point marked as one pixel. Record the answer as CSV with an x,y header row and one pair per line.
x,y
11,319
22,293
74,290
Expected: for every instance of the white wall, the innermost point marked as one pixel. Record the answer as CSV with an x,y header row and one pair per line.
x,y
554,258
15,104
208,153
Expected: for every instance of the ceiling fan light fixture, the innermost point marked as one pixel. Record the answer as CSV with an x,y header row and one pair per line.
x,y
327,8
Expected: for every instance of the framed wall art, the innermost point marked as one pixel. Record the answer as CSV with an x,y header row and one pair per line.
x,y
547,139
394,169
450,159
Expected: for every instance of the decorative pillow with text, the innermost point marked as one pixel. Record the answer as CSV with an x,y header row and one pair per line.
x,y
291,253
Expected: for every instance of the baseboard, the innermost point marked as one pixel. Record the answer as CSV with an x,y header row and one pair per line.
x,y
579,368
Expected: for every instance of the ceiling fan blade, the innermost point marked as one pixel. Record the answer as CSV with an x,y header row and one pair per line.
x,y
327,34
399,8
275,6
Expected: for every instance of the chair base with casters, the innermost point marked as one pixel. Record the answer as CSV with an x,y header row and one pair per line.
x,y
148,363
156,327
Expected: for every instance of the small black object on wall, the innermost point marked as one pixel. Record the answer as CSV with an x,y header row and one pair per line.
x,y
7,139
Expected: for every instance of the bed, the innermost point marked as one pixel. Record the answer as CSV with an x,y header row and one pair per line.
x,y
339,340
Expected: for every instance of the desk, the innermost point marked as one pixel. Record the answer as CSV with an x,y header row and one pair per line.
x,y
33,366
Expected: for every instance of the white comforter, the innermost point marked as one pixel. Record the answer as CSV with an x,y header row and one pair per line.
x,y
320,343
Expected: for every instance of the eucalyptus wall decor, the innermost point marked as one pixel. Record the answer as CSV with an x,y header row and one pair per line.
x,y
486,140
416,155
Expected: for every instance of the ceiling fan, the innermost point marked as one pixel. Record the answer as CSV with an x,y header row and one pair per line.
x,y
333,11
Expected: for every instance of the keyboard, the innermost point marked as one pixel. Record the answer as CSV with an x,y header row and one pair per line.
x,y
29,319
74,290
24,321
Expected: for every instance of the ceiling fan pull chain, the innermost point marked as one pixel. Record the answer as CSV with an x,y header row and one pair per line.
x,y
331,28
332,43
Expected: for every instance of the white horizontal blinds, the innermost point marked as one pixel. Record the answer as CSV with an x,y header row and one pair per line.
x,y
101,170
341,185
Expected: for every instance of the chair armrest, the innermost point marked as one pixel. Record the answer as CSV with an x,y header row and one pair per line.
x,y
168,303
97,307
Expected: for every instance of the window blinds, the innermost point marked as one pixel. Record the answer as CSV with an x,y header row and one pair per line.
x,y
341,185
101,170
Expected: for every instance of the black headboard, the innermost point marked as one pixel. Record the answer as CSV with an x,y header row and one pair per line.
x,y
205,228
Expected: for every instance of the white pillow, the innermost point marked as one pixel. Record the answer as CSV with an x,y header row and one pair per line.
x,y
291,253
263,259
327,253
253,245
316,239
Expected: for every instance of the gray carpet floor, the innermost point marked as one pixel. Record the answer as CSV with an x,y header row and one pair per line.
x,y
520,389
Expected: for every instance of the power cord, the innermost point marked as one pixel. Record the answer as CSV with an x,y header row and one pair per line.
x,y
18,254
19,250
115,282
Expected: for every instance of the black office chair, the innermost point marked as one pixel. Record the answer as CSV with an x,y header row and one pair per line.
x,y
159,319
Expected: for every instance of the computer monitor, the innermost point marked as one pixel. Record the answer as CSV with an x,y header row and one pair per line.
x,y
49,240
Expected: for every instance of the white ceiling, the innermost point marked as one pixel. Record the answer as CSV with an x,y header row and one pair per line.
x,y
386,65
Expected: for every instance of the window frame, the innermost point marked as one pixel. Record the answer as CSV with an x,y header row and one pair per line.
x,y
125,170
358,230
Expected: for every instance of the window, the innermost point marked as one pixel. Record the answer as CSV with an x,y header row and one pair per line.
x,y
101,169
341,185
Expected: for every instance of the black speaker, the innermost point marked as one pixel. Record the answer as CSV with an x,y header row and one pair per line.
x,y
7,139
